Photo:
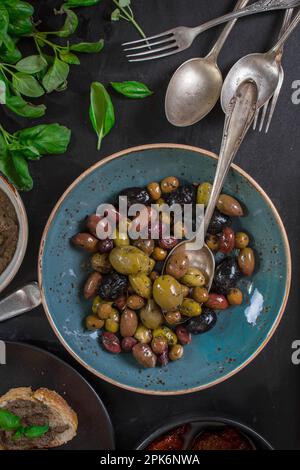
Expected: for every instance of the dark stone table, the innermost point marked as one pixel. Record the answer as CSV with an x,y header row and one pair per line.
x,y
265,395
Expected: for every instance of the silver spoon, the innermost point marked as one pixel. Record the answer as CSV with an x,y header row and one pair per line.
x,y
21,301
263,69
240,115
195,86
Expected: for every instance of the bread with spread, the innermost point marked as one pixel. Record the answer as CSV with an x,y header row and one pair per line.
x,y
35,419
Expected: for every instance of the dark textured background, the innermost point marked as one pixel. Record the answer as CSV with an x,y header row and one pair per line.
x,y
265,394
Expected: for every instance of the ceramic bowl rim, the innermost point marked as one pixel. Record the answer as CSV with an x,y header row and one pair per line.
x,y
11,270
201,152
191,418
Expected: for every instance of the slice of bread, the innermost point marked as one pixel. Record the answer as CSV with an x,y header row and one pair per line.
x,y
61,413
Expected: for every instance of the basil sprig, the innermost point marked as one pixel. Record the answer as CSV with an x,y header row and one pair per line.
x,y
101,111
48,69
132,89
124,11
11,422
8,420
29,144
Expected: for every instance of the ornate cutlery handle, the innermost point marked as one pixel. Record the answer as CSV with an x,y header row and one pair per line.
x,y
257,7
21,301
241,113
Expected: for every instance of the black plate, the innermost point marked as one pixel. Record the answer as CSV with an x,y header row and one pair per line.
x,y
30,366
201,424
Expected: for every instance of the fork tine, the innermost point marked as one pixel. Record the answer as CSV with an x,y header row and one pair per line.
x,y
274,101
159,49
166,33
255,119
158,56
263,116
156,43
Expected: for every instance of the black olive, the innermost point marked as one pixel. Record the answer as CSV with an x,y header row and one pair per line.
x,y
227,274
218,222
113,285
183,195
205,322
136,196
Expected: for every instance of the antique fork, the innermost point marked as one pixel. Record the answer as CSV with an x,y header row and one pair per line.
x,y
178,39
273,100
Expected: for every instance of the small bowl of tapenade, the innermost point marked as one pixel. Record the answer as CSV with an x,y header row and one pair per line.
x,y
13,232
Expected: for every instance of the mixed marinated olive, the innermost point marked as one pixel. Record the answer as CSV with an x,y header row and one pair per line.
x,y
153,315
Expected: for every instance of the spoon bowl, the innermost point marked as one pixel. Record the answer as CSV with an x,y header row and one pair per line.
x,y
261,68
193,91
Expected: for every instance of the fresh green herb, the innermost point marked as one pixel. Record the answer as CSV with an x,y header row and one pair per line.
x,y
8,420
32,432
132,89
88,47
45,71
101,111
124,11
80,3
29,144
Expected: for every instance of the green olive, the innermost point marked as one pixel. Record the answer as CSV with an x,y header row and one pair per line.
x,y
111,325
200,294
141,284
151,315
178,264
193,278
93,323
121,239
128,260
150,266
154,190
167,292
165,333
143,334
241,240
176,352
190,308
96,302
203,193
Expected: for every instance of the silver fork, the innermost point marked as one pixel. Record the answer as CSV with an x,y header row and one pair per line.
x,y
273,100
178,39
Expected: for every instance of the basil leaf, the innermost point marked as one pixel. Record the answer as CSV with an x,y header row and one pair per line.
x,y
23,108
10,57
27,85
56,75
101,111
32,432
48,139
8,420
70,25
115,16
20,27
69,58
124,3
4,20
23,179
80,3
19,433
2,92
31,64
18,9
88,47
132,89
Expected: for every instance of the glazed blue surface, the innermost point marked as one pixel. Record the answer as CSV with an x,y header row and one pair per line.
x,y
211,356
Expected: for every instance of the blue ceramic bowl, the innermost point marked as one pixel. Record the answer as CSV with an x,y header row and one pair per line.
x,y
212,357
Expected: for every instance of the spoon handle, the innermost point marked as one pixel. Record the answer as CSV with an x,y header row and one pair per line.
x,y
215,51
241,113
21,301
278,46
259,6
